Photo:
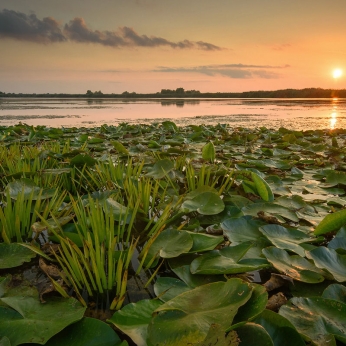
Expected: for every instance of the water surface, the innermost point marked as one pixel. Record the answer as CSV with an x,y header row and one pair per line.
x,y
251,113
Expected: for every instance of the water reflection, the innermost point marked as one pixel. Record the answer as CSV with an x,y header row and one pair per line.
x,y
179,103
333,120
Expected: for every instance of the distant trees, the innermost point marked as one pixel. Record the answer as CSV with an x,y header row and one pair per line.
x,y
1,93
89,93
179,92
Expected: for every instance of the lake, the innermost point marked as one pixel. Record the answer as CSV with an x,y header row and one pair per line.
x,y
250,113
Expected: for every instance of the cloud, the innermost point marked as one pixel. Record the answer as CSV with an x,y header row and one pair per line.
x,y
24,27
17,25
240,71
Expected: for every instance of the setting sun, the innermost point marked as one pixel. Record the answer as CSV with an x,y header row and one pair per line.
x,y
337,73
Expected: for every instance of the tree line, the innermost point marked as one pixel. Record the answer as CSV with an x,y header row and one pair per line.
x,y
181,93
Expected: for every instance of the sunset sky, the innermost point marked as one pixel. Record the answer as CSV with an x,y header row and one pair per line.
x,y
50,46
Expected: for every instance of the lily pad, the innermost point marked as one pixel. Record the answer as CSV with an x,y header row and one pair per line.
x,y
86,332
133,319
287,239
339,241
252,334
330,260
188,317
281,330
204,242
331,222
296,267
206,203
167,288
29,189
160,169
317,319
228,260
13,255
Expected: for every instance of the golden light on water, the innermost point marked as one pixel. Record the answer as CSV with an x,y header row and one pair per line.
x,y
337,73
333,120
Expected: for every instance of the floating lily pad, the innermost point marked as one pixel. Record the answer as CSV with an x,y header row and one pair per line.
x,y
206,203
331,222
252,334
281,330
29,189
317,319
330,260
133,319
187,317
287,239
167,288
86,332
336,292
13,255
228,260
204,242
296,267
160,169
339,241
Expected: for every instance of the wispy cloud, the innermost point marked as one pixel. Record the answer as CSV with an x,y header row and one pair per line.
x,y
17,25
241,71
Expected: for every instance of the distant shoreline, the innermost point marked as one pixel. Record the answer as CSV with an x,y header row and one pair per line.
x,y
285,93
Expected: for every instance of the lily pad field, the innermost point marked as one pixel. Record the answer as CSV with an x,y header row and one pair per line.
x,y
164,235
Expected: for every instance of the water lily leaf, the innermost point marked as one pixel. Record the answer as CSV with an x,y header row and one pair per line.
x,y
339,241
13,255
283,238
86,332
208,152
270,208
5,341
330,260
29,321
82,159
181,267
187,318
133,319
252,334
317,319
262,187
169,243
119,211
204,242
281,330
227,261
167,288
29,189
336,292
119,147
331,222
160,169
254,306
296,267
335,178
216,336
238,230
206,203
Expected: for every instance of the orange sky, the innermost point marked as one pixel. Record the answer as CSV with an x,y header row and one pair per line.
x,y
147,45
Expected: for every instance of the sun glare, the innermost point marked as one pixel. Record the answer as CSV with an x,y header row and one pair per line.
x,y
337,73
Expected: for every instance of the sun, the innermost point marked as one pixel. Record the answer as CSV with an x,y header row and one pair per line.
x,y
337,73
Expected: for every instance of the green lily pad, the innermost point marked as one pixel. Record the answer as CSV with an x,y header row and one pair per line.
x,y
29,189
339,241
281,330
262,187
206,203
228,260
188,317
204,242
208,152
317,319
252,334
160,169
336,292
133,319
86,332
81,160
287,239
296,267
330,260
13,255
28,320
216,336
167,288
272,209
5,341
169,243
331,222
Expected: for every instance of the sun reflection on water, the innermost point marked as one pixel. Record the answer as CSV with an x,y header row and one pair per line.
x,y
333,120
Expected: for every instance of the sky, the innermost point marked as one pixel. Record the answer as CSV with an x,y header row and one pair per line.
x,y
143,46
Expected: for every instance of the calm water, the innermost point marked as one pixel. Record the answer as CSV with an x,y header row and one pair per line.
x,y
251,113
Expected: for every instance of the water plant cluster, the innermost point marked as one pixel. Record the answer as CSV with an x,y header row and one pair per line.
x,y
240,235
